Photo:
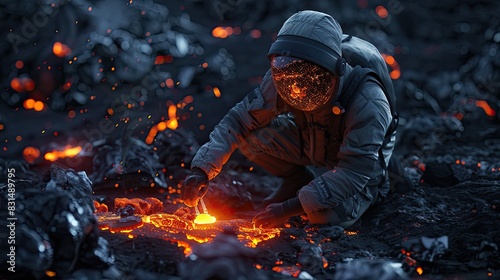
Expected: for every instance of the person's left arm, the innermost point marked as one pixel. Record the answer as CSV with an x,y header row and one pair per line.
x,y
366,125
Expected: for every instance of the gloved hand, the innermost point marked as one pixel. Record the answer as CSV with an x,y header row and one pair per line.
x,y
194,187
277,213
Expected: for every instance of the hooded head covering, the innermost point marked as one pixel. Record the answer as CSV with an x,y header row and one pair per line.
x,y
306,60
312,36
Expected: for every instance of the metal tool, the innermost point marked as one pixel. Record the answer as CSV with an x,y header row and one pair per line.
x,y
203,207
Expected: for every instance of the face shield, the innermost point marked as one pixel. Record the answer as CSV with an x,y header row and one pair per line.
x,y
302,84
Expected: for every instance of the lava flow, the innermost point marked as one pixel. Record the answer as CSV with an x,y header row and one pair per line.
x,y
184,229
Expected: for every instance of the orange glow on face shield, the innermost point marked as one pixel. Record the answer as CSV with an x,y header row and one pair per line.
x,y
302,84
297,92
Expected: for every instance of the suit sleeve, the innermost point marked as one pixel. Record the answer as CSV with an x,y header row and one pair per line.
x,y
366,123
256,110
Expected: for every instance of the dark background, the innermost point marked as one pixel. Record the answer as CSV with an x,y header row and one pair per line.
x,y
127,62
447,53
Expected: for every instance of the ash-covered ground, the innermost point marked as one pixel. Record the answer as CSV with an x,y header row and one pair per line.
x,y
111,99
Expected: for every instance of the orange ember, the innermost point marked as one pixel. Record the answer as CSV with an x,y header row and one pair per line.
x,y
391,61
161,59
66,86
60,49
68,152
217,92
486,107
255,33
169,83
395,74
420,270
222,32
19,64
29,104
16,85
171,123
28,83
71,114
39,105
382,11
172,111
30,154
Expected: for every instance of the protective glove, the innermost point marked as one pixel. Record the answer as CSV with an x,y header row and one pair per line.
x,y
194,187
277,213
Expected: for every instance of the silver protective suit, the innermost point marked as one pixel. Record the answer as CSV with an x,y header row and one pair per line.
x,y
260,125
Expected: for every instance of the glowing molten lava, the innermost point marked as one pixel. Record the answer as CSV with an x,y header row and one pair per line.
x,y
181,229
204,219
68,152
289,270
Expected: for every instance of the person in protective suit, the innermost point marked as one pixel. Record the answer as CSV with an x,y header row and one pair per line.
x,y
284,126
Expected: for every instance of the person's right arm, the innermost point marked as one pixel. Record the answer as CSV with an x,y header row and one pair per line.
x,y
256,110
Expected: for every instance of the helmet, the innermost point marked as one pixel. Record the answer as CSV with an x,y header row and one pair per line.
x,y
306,60
302,84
